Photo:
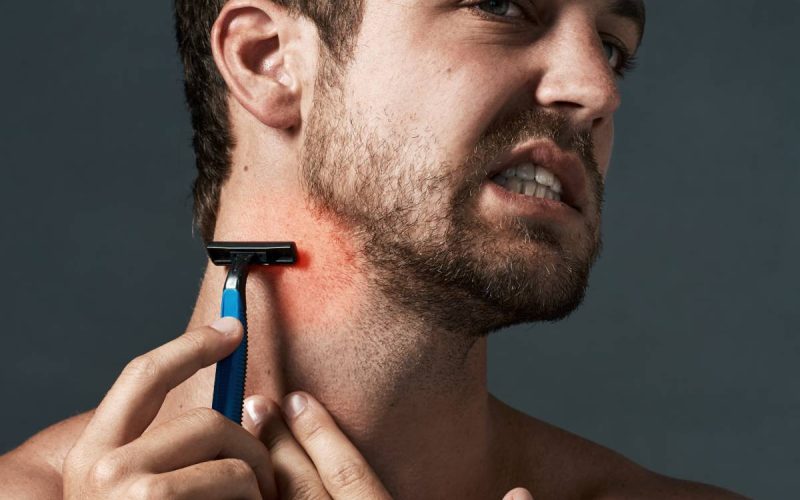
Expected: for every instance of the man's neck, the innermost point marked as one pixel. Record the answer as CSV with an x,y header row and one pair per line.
x,y
413,400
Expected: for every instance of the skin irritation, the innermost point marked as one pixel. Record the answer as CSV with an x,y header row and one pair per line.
x,y
406,395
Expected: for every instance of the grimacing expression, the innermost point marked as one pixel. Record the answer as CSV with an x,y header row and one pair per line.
x,y
401,138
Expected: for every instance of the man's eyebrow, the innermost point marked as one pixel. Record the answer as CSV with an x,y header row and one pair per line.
x,y
633,10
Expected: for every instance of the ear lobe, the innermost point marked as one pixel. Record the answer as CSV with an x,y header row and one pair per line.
x,y
248,43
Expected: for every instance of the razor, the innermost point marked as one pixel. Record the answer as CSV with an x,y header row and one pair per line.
x,y
238,257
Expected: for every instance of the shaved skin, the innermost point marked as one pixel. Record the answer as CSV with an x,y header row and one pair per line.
x,y
408,390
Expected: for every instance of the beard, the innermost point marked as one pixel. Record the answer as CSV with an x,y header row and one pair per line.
x,y
414,218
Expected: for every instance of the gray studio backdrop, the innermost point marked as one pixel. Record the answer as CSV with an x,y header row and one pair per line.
x,y
684,357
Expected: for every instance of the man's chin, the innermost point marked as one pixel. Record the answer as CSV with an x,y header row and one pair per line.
x,y
478,286
548,290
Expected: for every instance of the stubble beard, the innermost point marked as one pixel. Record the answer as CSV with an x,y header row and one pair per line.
x,y
427,249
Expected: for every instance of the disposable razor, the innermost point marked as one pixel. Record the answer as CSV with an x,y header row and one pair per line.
x,y
232,371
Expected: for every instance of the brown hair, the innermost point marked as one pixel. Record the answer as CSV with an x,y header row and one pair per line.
x,y
337,22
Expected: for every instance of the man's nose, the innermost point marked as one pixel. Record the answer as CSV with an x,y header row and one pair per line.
x,y
576,77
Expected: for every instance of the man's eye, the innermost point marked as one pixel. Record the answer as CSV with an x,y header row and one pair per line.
x,y
620,60
613,54
501,8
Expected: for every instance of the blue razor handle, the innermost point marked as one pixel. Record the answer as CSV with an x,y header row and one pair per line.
x,y
231,371
239,256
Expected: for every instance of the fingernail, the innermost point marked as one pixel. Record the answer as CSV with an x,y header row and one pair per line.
x,y
256,409
294,405
226,326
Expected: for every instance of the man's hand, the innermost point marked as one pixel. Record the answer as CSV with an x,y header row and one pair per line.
x,y
311,456
199,454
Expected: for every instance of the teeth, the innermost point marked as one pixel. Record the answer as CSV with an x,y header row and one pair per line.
x,y
527,172
530,188
530,172
544,176
530,180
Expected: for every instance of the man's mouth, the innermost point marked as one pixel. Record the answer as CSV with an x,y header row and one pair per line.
x,y
540,169
530,180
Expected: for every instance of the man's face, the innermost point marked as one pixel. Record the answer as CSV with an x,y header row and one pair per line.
x,y
404,141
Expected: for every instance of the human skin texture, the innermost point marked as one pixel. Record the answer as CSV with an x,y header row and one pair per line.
x,y
428,83
406,390
435,76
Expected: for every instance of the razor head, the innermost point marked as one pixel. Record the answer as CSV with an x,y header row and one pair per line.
x,y
267,254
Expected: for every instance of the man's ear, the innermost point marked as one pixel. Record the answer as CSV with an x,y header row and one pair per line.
x,y
248,41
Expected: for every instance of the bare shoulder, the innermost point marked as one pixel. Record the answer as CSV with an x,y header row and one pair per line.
x,y
554,463
33,470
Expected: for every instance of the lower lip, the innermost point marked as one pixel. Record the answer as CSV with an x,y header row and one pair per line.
x,y
520,205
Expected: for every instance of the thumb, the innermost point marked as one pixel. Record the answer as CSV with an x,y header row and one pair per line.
x,y
518,494
254,416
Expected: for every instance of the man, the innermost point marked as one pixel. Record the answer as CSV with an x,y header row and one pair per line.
x,y
440,164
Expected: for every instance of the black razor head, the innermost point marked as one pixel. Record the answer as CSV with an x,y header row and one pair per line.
x,y
268,254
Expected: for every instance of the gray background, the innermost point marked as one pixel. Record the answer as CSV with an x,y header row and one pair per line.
x,y
684,356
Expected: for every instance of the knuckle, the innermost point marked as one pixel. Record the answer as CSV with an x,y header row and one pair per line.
x,y
306,489
239,469
348,476
150,487
207,418
142,368
109,471
195,341
312,430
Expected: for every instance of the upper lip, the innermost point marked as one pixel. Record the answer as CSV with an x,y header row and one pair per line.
x,y
567,167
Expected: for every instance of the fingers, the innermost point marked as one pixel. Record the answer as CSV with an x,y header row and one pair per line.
x,y
343,471
295,474
137,395
199,435
224,479
518,494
